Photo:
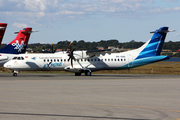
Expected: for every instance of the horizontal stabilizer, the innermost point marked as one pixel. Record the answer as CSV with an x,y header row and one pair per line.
x,y
2,28
163,31
26,32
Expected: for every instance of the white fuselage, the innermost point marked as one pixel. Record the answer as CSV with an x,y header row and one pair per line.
x,y
60,62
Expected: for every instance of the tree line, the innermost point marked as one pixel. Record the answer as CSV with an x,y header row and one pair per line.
x,y
82,45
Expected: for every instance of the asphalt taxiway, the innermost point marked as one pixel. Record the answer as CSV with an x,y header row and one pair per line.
x,y
65,96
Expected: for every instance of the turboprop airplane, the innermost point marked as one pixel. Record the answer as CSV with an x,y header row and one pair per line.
x,y
92,60
2,31
17,46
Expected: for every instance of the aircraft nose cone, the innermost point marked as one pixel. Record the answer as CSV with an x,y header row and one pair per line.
x,y
7,65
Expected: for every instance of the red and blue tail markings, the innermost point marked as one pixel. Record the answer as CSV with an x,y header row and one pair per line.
x,y
19,44
2,30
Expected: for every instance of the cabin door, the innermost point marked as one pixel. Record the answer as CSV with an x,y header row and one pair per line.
x,y
130,60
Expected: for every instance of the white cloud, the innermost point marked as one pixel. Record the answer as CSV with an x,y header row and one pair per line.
x,y
171,0
177,35
19,25
177,8
35,5
165,10
39,11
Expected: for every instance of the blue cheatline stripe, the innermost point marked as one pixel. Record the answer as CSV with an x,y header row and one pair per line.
x,y
151,46
144,61
147,54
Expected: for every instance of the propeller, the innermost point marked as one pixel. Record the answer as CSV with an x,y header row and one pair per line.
x,y
52,48
70,53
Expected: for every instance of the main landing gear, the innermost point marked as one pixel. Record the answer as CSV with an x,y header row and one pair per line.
x,y
87,73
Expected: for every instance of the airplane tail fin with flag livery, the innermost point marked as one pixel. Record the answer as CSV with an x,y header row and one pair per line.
x,y
19,44
2,30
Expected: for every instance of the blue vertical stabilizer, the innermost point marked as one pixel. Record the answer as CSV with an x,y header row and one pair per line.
x,y
154,47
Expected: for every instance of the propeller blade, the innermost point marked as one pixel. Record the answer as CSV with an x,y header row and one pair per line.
x,y
70,53
72,63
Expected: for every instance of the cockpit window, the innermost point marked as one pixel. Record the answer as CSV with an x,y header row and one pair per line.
x,y
14,58
18,58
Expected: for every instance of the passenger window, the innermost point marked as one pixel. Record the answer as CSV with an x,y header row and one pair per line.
x,y
54,60
57,60
108,59
88,59
121,59
64,60
44,60
94,59
118,59
111,59
98,59
91,59
124,59
51,60
47,60
114,59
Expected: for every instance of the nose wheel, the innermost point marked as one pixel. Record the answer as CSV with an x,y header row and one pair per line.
x,y
15,73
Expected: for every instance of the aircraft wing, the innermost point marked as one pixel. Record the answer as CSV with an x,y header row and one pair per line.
x,y
90,53
98,52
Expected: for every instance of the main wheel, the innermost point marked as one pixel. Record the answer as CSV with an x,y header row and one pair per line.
x,y
88,73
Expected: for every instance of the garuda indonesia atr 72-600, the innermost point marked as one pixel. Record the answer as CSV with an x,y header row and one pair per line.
x,y
93,60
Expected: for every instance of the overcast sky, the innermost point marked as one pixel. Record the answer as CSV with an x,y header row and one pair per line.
x,y
90,20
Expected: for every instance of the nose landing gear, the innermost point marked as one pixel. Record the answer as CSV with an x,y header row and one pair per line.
x,y
15,72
